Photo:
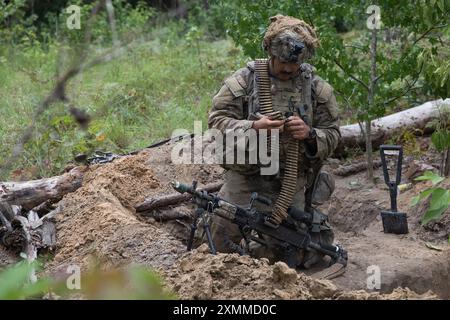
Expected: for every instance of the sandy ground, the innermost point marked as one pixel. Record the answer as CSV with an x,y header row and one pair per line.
x,y
403,260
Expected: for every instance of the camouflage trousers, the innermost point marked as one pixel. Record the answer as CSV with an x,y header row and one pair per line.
x,y
237,189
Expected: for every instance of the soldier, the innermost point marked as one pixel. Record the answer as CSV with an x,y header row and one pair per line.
x,y
289,43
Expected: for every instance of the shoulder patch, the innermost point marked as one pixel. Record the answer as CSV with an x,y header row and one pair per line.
x,y
323,90
237,85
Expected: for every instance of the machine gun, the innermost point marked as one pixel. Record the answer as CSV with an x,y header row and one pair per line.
x,y
289,233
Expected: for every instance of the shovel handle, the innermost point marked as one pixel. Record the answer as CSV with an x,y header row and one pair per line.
x,y
398,176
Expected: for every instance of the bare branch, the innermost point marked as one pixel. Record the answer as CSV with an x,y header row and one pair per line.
x,y
428,31
408,89
347,100
363,131
377,78
351,76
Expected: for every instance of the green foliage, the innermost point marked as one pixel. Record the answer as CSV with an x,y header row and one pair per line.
x,y
400,60
439,197
16,28
15,283
173,69
209,15
408,139
430,176
157,86
135,283
436,68
441,139
130,21
441,136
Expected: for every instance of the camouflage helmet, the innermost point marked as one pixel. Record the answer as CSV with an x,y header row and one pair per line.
x,y
290,39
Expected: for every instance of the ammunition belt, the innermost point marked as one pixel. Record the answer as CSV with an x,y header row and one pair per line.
x,y
289,183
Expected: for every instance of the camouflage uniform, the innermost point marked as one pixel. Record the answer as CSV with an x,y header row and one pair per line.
x,y
233,108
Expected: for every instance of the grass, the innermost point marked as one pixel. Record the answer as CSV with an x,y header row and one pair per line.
x,y
165,81
158,86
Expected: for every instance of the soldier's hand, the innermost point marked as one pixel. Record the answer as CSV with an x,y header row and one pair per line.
x,y
267,123
297,128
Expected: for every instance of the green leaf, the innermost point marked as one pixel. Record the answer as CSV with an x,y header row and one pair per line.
x,y
439,198
430,176
415,200
15,284
12,278
421,196
433,214
35,289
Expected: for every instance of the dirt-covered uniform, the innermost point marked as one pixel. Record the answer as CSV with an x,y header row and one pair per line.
x,y
234,107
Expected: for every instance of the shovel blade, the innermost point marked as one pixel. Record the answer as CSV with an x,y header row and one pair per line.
x,y
394,222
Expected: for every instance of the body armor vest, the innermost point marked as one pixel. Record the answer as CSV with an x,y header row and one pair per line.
x,y
286,97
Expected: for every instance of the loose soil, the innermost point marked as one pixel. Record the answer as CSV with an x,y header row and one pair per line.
x,y
98,224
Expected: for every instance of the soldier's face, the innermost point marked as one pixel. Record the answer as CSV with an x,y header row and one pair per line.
x,y
284,70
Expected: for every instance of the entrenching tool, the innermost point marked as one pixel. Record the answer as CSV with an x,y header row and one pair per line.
x,y
393,221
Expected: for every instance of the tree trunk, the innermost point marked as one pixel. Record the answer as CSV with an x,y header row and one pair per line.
x,y
369,150
414,119
446,163
29,194
371,94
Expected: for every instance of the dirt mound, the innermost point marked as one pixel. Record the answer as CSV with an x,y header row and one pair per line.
x,y
98,223
98,220
199,275
128,179
396,294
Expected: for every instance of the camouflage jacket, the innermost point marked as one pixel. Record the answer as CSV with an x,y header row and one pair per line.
x,y
237,99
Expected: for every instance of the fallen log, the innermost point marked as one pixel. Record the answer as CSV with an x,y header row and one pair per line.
x,y
353,168
28,234
44,207
29,194
383,128
9,211
163,201
5,223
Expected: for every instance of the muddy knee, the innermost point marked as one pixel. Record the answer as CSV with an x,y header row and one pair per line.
x,y
226,235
